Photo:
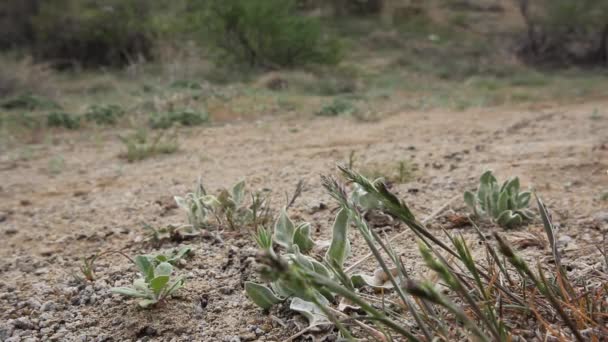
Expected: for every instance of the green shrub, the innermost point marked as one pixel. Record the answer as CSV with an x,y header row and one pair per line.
x,y
267,33
92,33
184,117
337,107
104,114
29,102
63,119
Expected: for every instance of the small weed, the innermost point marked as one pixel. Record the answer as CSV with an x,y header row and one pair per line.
x,y
63,120
339,106
107,115
229,208
173,257
604,196
184,117
140,146
529,79
56,165
156,236
29,102
401,172
22,120
87,268
595,115
156,284
505,204
186,84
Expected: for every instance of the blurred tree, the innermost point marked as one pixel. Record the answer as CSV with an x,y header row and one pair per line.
x,y
566,31
267,33
15,23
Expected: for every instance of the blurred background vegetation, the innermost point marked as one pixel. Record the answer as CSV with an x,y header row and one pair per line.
x,y
226,59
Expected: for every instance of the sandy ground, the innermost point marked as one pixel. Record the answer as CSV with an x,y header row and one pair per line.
x,y
73,197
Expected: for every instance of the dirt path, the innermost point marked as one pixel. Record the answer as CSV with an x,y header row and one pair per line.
x,y
50,219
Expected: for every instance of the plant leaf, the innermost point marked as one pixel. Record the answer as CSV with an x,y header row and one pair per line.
x,y
145,267
175,285
284,230
509,219
163,269
146,303
141,285
302,238
157,284
340,245
127,291
238,192
469,199
523,199
503,202
261,295
311,311
379,280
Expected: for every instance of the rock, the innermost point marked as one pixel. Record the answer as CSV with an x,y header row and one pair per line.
x,y
10,231
601,216
23,323
147,331
48,306
41,271
6,330
226,290
248,337
33,303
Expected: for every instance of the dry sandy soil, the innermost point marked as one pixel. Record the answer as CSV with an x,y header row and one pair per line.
x,y
50,219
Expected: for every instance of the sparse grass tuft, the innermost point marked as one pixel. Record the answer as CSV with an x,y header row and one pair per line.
x,y
29,101
339,106
63,120
403,171
140,145
107,115
183,117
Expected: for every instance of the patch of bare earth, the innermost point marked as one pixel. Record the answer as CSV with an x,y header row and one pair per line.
x,y
50,221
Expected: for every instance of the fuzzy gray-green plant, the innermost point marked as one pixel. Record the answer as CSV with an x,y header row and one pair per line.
x,y
156,284
229,208
506,204
478,300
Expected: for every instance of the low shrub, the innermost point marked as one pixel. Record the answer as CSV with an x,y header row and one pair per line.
x,y
104,114
564,32
63,120
267,33
337,107
91,33
29,102
141,146
183,117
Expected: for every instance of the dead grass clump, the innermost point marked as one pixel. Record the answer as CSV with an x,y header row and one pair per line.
x,y
18,76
